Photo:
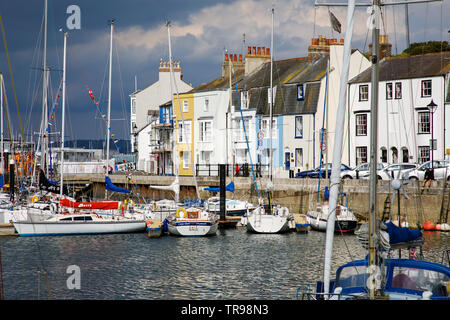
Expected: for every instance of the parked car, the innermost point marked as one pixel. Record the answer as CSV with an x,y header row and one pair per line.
x,y
320,171
360,170
441,170
392,171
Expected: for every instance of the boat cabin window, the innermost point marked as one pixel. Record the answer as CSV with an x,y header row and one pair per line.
x,y
82,218
65,219
421,280
352,276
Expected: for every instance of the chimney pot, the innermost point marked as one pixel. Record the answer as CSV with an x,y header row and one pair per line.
x,y
259,51
240,58
235,58
254,50
226,57
268,51
249,50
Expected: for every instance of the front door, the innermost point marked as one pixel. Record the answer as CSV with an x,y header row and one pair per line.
x,y
287,160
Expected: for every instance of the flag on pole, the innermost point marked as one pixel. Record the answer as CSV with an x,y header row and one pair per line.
x,y
335,22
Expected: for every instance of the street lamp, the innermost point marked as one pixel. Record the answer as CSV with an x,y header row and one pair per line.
x,y
432,108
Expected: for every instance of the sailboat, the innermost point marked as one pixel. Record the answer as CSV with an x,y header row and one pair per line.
x,y
234,208
186,220
346,220
269,218
65,222
378,276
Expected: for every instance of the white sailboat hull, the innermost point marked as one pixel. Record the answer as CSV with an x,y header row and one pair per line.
x,y
345,222
51,227
267,223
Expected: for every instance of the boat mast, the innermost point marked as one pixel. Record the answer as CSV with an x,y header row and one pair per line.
x,y
108,130
1,123
270,184
337,147
44,124
174,136
373,149
63,117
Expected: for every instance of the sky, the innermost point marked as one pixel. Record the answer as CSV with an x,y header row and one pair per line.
x,y
200,31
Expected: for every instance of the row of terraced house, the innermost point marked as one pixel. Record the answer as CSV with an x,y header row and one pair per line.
x,y
227,120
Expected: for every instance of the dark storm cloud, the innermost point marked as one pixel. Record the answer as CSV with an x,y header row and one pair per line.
x,y
201,29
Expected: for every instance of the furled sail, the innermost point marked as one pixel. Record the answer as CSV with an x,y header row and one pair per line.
x,y
103,205
229,187
51,186
111,187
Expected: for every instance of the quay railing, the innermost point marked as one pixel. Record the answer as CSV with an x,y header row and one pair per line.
x,y
238,169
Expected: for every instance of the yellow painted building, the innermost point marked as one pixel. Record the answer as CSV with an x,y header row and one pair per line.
x,y
184,136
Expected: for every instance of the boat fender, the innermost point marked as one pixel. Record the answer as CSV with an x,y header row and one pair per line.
x,y
53,207
181,215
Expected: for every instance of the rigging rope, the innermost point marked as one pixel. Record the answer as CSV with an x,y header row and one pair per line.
x,y
12,79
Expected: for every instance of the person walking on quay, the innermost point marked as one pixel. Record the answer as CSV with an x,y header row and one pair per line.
x,y
429,176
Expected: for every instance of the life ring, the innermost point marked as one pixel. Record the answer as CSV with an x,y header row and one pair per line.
x,y
155,206
178,213
35,199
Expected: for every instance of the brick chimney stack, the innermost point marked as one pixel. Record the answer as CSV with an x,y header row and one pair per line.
x,y
321,46
385,47
255,57
231,58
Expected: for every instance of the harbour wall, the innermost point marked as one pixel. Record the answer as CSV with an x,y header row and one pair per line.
x,y
297,194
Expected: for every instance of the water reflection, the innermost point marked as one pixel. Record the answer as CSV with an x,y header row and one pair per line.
x,y
232,265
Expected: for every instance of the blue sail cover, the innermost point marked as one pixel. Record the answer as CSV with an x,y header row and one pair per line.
x,y
400,234
1,181
229,187
111,187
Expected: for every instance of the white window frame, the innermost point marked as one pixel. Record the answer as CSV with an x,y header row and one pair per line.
x,y
426,88
244,99
205,135
206,105
181,131
423,122
424,154
364,92
298,162
398,90
389,91
186,159
361,155
185,106
265,128
298,127
360,127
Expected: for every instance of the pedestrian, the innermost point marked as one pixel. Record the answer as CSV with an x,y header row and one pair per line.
x,y
429,176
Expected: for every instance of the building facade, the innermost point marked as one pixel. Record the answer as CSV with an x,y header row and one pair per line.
x,y
408,87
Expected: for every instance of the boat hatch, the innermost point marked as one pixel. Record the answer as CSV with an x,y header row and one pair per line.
x,y
192,214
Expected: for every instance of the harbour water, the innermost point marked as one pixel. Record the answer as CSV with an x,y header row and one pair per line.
x,y
232,265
